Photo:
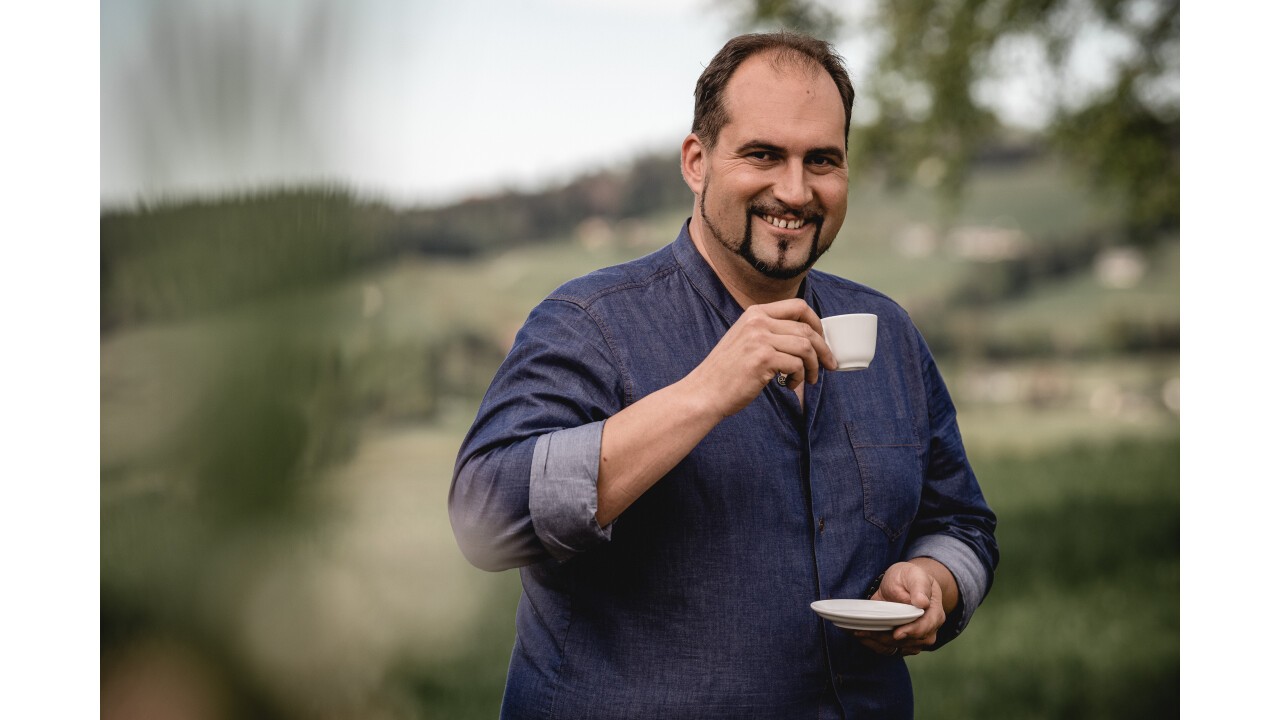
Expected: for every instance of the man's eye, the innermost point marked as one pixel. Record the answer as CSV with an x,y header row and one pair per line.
x,y
821,161
763,155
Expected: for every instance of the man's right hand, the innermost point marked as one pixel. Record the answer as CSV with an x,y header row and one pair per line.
x,y
645,440
779,337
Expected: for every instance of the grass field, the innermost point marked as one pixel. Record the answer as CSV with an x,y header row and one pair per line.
x,y
1083,618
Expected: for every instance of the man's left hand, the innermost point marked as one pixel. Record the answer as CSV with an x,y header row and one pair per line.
x,y
909,583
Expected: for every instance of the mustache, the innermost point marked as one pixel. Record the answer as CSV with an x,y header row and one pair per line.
x,y
811,212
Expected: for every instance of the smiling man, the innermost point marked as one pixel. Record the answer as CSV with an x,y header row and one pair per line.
x,y
776,206
671,460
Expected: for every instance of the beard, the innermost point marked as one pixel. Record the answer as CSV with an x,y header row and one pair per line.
x,y
776,269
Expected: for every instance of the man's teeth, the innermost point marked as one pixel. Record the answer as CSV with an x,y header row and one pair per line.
x,y
779,222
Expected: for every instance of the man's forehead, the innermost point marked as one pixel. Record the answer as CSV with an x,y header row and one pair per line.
x,y
785,62
774,84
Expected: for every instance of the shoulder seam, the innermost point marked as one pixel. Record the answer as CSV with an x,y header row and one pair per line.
x,y
589,300
628,387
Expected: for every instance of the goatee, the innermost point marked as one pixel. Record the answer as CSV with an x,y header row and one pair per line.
x,y
776,270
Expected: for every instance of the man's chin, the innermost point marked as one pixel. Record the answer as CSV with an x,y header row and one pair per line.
x,y
781,268
781,272
788,265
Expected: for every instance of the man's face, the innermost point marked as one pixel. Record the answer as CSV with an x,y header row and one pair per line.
x,y
775,186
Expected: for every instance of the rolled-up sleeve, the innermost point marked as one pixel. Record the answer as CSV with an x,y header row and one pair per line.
x,y
524,485
954,524
562,490
972,577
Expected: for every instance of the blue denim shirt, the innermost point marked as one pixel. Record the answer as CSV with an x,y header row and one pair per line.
x,y
695,601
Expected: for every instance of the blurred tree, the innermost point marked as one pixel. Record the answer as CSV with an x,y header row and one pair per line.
x,y
803,15
1108,80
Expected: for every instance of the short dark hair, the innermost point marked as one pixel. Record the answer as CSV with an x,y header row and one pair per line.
x,y
709,114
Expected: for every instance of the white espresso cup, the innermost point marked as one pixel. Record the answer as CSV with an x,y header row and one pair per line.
x,y
852,339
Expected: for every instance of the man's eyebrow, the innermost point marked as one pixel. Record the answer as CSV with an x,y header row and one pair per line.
x,y
831,150
758,145
753,145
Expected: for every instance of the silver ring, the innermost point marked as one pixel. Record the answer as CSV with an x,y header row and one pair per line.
x,y
782,378
893,652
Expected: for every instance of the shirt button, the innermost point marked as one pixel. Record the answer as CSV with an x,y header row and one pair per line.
x,y
822,524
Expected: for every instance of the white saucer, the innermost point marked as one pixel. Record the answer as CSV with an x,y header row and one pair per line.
x,y
866,614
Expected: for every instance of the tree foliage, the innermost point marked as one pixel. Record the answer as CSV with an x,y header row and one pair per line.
x,y
1107,78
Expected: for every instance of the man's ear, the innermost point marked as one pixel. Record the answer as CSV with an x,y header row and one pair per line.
x,y
693,159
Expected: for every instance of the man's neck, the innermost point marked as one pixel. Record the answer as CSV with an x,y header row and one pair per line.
x,y
746,286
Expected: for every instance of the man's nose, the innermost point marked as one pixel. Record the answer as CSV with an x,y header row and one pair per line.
x,y
792,187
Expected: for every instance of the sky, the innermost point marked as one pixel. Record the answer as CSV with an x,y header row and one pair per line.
x,y
430,101
417,102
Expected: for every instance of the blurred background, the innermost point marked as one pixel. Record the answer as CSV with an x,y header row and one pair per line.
x,y
322,224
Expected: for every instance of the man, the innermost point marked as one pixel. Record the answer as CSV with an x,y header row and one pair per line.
x,y
670,460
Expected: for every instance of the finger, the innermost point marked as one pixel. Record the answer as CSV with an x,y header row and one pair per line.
x,y
911,644
916,633
922,593
908,583
891,650
822,351
882,642
794,338
784,376
924,630
893,590
758,350
826,355
918,629
791,351
927,625
885,639
802,348
793,309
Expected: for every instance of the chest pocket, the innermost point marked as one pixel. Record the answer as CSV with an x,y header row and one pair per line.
x,y
889,463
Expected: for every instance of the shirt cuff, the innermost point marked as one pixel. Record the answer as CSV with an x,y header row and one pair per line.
x,y
562,490
971,576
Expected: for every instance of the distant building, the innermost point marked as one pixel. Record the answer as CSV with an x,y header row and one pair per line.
x,y
987,244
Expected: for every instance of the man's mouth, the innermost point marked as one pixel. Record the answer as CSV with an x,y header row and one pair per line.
x,y
794,224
